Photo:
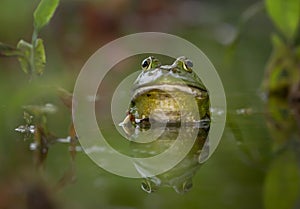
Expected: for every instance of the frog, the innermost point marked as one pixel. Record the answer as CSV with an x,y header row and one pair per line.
x,y
168,94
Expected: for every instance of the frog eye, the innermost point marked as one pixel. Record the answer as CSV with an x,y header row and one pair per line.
x,y
187,186
148,186
150,62
187,65
184,187
146,64
184,63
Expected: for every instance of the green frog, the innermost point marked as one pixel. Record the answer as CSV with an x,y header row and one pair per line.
x,y
168,94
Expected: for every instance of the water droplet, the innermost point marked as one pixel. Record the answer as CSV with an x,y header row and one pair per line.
x,y
64,140
21,129
76,149
33,146
25,129
31,129
244,111
217,111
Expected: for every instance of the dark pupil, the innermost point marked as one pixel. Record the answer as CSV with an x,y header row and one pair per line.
x,y
189,64
145,64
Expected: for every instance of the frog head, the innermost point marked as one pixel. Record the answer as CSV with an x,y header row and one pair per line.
x,y
163,93
179,73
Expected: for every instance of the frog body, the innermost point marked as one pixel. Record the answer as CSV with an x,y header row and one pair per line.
x,y
168,94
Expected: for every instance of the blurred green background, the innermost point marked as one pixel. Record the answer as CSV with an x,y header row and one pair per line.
x,y
256,164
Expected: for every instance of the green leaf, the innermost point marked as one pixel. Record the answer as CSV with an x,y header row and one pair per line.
x,y
44,12
8,51
39,57
285,14
282,184
24,59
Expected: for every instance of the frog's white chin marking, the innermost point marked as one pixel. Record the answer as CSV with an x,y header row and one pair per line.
x,y
168,88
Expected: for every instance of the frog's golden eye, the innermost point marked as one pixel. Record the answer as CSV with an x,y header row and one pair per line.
x,y
187,65
184,63
146,63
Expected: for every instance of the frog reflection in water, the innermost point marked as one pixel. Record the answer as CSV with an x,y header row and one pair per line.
x,y
172,95
180,176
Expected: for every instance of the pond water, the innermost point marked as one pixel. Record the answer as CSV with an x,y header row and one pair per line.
x,y
256,165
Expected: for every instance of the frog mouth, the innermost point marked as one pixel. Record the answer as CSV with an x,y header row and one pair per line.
x,y
194,91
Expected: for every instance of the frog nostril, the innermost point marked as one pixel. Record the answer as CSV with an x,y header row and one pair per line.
x,y
175,70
